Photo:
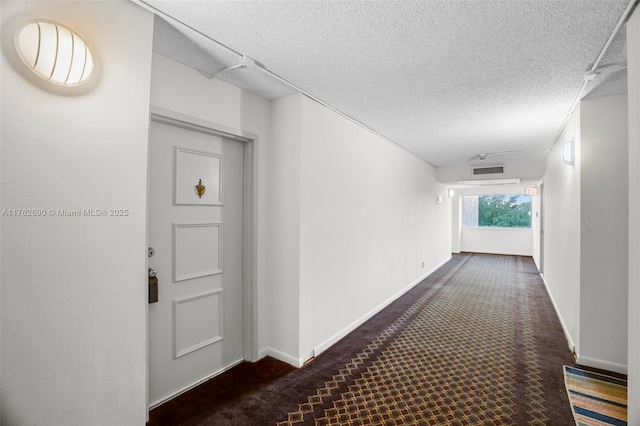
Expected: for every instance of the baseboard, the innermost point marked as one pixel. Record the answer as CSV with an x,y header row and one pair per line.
x,y
193,384
263,353
586,361
537,266
567,335
342,333
602,365
281,356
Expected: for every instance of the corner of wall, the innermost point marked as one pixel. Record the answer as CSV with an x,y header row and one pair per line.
x,y
604,232
561,246
565,329
84,362
284,226
456,222
633,75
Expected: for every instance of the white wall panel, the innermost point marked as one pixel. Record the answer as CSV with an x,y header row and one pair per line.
x,y
73,288
586,232
604,228
497,241
633,51
370,225
536,225
284,228
562,232
197,322
197,250
194,168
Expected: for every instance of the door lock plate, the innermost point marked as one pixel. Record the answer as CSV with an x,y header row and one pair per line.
x,y
153,286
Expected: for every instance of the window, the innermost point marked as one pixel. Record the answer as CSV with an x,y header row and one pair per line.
x,y
496,211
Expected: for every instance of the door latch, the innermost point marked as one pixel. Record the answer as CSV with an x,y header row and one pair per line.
x,y
153,286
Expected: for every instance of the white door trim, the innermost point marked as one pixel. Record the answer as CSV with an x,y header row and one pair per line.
x,y
249,225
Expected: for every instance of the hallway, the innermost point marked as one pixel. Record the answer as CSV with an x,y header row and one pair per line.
x,y
476,342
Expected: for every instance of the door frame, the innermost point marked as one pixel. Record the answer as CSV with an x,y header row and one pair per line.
x,y
249,221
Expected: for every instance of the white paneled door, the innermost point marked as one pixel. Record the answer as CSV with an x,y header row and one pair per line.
x,y
195,231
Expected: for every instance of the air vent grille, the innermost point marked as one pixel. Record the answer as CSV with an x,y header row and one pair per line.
x,y
488,170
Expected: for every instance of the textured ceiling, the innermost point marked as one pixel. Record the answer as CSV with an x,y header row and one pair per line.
x,y
446,80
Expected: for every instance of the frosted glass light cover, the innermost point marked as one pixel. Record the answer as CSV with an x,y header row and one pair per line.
x,y
54,53
568,152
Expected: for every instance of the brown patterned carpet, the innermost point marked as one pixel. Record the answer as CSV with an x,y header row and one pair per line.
x,y
476,343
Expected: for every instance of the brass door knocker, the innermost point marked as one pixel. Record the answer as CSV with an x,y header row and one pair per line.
x,y
200,188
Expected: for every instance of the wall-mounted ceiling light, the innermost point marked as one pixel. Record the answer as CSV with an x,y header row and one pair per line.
x,y
54,53
568,153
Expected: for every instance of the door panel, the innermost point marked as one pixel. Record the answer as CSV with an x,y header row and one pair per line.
x,y
195,229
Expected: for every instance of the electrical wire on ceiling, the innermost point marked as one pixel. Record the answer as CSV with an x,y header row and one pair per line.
x,y
595,69
247,62
244,61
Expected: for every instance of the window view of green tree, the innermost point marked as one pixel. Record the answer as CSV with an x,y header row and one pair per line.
x,y
505,211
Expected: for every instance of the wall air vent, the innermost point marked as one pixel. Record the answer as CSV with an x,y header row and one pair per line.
x,y
487,170
490,182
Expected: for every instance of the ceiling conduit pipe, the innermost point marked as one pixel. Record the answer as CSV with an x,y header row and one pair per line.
x,y
247,62
340,113
593,71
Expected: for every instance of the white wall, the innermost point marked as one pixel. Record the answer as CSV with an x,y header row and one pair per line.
x,y
517,242
562,232
633,73
367,220
323,177
179,88
536,204
73,288
456,222
370,223
604,233
586,242
284,190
